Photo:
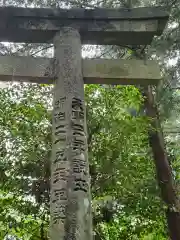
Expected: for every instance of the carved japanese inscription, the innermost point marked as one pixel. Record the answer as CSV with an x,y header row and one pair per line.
x,y
60,156
60,168
59,104
58,211
59,194
70,190
59,116
77,109
78,162
65,168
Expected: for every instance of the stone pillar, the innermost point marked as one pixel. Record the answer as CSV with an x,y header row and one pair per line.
x,y
70,205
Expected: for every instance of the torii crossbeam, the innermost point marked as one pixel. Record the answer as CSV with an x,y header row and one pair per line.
x,y
95,71
70,204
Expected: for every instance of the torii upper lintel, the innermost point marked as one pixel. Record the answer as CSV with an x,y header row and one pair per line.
x,y
135,26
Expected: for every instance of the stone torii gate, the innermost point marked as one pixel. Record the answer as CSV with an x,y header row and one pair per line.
x,y
67,29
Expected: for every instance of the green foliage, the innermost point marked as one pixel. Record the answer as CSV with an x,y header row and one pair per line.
x,y
121,166
126,199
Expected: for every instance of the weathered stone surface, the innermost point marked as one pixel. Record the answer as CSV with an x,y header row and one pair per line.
x,y
70,205
135,72
96,26
95,71
81,13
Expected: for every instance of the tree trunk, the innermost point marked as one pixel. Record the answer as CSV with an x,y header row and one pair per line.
x,y
163,169
70,205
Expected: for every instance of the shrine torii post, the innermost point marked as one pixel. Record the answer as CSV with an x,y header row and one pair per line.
x,y
67,29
